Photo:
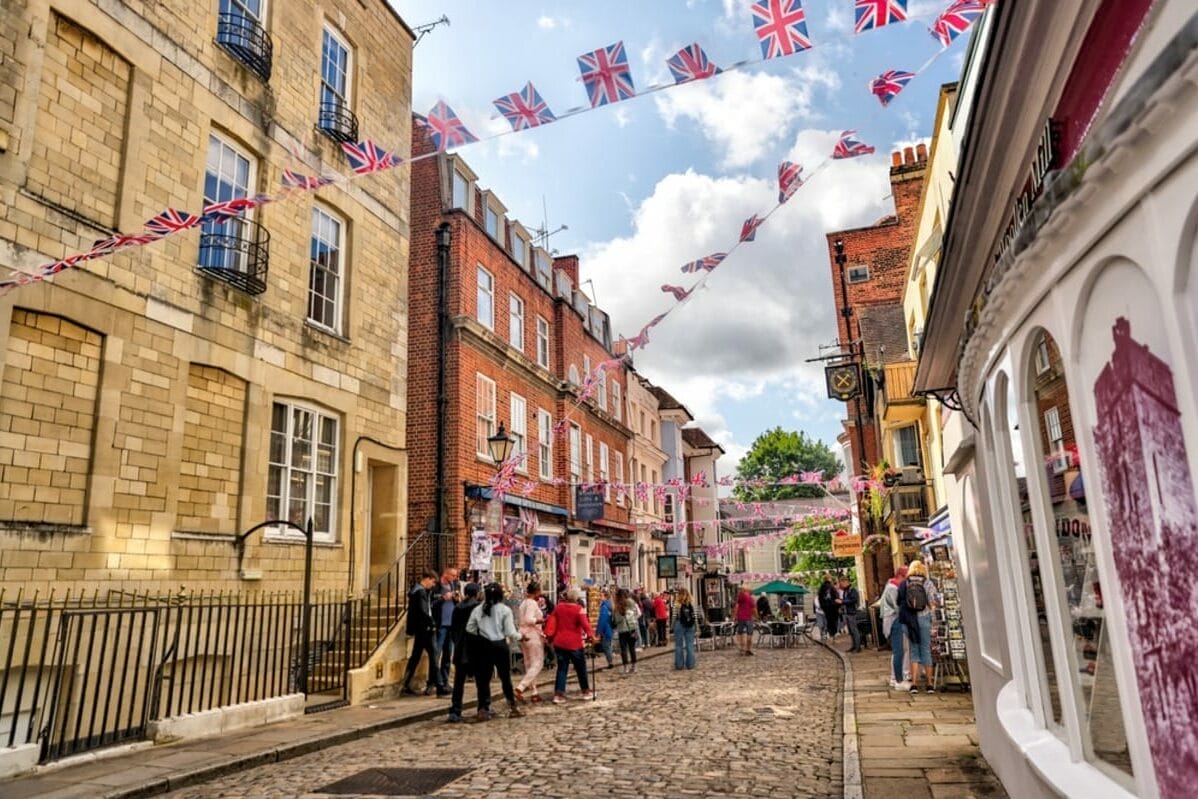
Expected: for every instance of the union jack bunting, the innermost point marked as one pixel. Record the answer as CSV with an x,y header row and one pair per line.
x,y
525,109
230,208
876,13
606,75
781,27
790,178
691,63
956,19
366,157
117,241
295,180
849,147
170,221
707,263
887,85
445,129
678,292
748,231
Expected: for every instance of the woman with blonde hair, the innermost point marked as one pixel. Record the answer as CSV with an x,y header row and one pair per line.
x,y
916,598
684,631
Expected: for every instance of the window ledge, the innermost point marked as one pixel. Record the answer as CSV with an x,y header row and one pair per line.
x,y
43,528
1048,755
314,327
269,537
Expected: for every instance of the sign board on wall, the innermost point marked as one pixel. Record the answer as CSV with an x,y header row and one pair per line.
x,y
846,546
588,503
667,566
620,560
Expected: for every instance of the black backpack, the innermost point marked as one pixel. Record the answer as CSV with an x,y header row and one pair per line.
x,y
686,616
917,594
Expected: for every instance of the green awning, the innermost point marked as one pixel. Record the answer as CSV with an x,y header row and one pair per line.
x,y
780,587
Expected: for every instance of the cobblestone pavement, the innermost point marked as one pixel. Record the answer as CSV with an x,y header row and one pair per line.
x,y
768,725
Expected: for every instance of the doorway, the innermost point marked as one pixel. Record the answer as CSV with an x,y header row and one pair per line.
x,y
382,514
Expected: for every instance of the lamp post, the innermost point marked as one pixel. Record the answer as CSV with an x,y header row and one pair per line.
x,y
306,611
500,445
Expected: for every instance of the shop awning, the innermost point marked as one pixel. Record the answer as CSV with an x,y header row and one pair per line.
x,y
483,492
780,587
627,528
603,549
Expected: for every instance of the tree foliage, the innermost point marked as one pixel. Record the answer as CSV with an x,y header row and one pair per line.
x,y
779,453
817,541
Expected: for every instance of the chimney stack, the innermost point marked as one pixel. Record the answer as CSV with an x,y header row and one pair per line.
x,y
908,156
921,152
569,265
896,159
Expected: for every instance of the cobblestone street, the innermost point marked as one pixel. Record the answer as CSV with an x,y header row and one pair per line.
x,y
764,726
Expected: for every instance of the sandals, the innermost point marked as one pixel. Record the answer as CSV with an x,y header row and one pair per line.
x,y
520,696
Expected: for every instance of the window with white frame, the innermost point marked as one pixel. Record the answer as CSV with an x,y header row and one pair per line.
x,y
461,191
644,427
601,389
334,72
617,401
1056,456
544,444
590,459
519,428
542,342
605,471
575,453
515,322
858,274
484,413
586,367
326,270
652,492
520,250
229,176
601,571
906,447
1043,362
485,300
645,482
572,375
491,218
301,480
620,492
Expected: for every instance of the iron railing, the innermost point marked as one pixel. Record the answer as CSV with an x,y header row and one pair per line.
x,y
338,122
236,251
244,38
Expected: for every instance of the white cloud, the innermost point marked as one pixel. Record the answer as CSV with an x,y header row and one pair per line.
x,y
488,122
745,114
548,23
622,116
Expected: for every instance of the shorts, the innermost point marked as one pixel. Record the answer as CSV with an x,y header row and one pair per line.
x,y
744,628
922,652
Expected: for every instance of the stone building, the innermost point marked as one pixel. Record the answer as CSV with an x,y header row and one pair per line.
x,y
703,507
648,462
155,403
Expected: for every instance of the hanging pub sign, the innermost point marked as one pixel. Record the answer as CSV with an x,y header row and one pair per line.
x,y
844,381
588,503
699,561
667,566
620,560
846,545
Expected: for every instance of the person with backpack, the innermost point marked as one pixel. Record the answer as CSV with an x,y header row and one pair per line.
x,y
626,619
916,598
684,632
895,633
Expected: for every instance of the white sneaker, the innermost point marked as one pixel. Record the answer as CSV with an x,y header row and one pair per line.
x,y
891,683
902,686
587,696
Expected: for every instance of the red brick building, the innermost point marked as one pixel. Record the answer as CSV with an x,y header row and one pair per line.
x,y
520,339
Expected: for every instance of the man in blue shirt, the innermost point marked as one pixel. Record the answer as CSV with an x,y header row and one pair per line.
x,y
447,596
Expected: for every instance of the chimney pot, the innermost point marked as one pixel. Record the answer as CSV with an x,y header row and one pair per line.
x,y
908,156
896,158
921,152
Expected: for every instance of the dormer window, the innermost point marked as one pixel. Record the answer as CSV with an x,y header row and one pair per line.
x,y
519,249
492,222
461,191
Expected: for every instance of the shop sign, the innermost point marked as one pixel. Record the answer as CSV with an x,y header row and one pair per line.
x,y
846,545
1048,151
620,560
667,566
844,381
699,560
588,503
480,551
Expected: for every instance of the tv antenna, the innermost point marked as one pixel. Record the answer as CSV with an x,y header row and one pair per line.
x,y
541,234
421,30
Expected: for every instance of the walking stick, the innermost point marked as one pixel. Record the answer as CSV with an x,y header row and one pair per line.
x,y
594,675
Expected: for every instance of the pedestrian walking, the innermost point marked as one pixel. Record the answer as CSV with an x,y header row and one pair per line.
x,y
423,628
605,627
821,622
661,614
827,602
648,617
569,629
532,641
461,660
494,629
916,598
626,616
684,632
448,593
895,633
744,620
850,598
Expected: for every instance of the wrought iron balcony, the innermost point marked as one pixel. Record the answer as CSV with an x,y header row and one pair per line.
x,y
909,505
244,38
237,252
338,122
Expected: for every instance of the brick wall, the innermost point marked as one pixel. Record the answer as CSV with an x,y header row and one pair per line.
x,y
210,471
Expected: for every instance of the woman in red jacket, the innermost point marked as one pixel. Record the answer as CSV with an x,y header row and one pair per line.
x,y
569,629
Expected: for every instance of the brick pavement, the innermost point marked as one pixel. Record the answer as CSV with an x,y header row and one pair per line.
x,y
921,746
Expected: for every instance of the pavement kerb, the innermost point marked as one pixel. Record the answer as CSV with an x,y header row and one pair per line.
x,y
173,782
853,781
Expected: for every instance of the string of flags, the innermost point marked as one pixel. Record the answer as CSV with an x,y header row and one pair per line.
x,y
769,577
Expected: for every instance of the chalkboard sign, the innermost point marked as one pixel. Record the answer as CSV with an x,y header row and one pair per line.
x,y
620,560
588,504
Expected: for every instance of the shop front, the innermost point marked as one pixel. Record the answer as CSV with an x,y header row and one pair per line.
x,y
526,544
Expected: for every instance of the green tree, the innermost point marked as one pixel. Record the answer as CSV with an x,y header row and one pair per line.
x,y
779,453
805,543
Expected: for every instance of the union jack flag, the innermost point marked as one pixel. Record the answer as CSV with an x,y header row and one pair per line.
x,y
849,147
781,27
887,85
790,178
679,292
170,221
295,180
956,19
876,13
748,231
525,109
366,157
706,263
230,208
445,129
606,75
117,241
691,63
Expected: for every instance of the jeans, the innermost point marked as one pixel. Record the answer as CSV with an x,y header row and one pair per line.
x,y
445,647
643,624
564,658
605,647
495,657
460,675
897,633
921,650
661,632
684,646
422,643
850,621
628,648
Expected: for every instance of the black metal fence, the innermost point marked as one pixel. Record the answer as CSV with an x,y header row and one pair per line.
x,y
80,673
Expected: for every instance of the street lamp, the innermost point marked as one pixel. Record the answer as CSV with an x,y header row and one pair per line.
x,y
500,445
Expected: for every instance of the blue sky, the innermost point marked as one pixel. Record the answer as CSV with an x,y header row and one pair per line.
x,y
651,183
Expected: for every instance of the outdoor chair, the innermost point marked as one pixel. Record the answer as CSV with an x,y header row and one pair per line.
x,y
779,633
707,635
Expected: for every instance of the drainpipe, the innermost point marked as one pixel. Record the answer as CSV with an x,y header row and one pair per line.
x,y
443,241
